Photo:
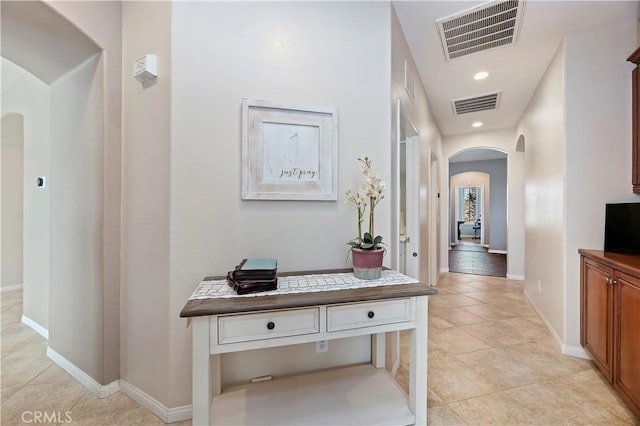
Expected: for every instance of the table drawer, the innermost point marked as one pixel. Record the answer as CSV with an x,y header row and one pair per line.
x,y
344,317
267,325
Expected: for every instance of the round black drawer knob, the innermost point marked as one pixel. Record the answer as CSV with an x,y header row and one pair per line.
x,y
271,325
371,314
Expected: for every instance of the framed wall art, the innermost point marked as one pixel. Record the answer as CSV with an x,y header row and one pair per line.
x,y
289,152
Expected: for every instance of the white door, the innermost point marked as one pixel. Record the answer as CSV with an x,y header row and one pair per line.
x,y
434,221
412,213
406,200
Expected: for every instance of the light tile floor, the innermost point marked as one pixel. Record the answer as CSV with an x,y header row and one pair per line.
x,y
491,361
31,383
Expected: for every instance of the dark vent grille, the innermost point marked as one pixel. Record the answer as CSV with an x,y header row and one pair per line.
x,y
485,27
476,103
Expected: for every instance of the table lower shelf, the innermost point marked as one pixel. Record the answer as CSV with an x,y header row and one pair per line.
x,y
359,395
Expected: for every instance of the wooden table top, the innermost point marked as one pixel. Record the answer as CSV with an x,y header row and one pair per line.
x,y
216,306
625,262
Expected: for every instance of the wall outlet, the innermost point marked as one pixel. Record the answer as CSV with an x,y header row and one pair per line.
x,y
322,346
539,286
261,379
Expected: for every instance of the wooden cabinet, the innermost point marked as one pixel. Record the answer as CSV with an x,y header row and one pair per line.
x,y
597,315
627,375
635,78
610,318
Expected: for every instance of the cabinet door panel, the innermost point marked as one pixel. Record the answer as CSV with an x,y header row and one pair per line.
x,y
635,143
597,309
627,374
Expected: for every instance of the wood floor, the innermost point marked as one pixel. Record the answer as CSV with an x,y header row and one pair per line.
x,y
475,259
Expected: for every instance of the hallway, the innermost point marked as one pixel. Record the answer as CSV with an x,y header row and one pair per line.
x,y
492,361
469,258
32,383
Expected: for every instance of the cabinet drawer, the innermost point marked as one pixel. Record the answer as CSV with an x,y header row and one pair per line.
x,y
267,325
368,314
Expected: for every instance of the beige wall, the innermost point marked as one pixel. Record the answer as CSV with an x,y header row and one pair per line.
x,y
571,134
75,327
598,153
223,52
419,113
198,234
12,172
97,354
26,95
543,127
146,182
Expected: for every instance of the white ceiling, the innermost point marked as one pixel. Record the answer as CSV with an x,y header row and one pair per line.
x,y
515,70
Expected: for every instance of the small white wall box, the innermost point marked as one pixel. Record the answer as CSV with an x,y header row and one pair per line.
x,y
145,68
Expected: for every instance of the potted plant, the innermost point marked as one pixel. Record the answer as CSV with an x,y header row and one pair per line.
x,y
366,250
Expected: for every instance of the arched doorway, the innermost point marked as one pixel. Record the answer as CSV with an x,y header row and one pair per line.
x,y
38,38
478,212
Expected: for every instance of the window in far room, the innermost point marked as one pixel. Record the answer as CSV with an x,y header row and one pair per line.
x,y
470,203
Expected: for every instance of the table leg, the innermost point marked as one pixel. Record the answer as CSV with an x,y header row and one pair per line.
x,y
378,350
201,376
418,363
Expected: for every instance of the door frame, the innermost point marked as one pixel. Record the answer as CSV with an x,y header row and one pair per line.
x,y
412,188
481,205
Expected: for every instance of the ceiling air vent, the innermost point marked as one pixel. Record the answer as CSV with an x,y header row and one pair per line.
x,y
484,27
476,103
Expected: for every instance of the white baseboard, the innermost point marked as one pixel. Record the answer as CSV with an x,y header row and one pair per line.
x,y
101,391
486,246
497,251
444,270
544,320
11,288
515,278
35,326
167,415
179,414
576,351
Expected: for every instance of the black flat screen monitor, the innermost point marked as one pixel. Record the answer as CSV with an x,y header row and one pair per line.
x,y
622,228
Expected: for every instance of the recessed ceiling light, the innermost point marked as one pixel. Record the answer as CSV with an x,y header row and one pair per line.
x,y
477,124
481,75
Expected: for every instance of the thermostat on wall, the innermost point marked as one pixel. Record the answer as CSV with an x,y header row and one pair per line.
x,y
145,68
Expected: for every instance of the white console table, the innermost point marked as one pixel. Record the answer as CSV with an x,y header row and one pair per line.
x,y
354,395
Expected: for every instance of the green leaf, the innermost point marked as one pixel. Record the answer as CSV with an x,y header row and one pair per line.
x,y
378,240
366,246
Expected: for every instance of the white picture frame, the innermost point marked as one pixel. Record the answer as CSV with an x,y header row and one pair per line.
x,y
289,152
